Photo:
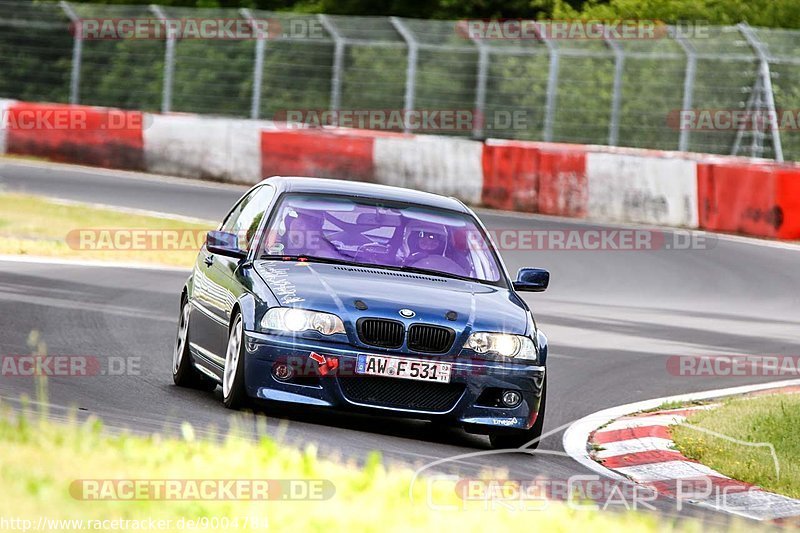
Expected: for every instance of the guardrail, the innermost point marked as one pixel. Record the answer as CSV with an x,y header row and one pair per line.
x,y
679,189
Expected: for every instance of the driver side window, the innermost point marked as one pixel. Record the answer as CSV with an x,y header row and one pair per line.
x,y
245,218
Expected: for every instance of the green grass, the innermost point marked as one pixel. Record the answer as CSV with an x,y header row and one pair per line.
x,y
40,460
31,225
772,419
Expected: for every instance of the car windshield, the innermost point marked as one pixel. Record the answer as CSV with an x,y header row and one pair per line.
x,y
371,232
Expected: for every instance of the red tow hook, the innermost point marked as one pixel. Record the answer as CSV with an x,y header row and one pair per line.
x,y
326,364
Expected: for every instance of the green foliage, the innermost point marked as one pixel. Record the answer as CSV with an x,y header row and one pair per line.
x,y
766,13
43,467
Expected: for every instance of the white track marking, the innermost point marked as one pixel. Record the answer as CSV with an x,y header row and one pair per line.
x,y
44,260
576,437
645,421
124,174
667,470
133,211
625,447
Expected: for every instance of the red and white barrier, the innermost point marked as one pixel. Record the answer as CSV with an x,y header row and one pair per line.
x,y
204,147
652,190
442,165
731,194
86,135
342,154
753,199
4,105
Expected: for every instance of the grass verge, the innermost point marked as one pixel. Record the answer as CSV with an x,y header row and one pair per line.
x,y
31,225
771,419
41,462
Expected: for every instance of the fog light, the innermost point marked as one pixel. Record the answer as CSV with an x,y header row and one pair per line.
x,y
282,372
511,398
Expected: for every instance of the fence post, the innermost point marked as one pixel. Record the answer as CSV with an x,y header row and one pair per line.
x,y
766,85
616,97
169,60
688,85
411,68
480,87
552,87
77,52
338,62
258,65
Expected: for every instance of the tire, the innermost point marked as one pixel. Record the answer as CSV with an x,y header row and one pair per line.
x,y
234,395
520,439
184,373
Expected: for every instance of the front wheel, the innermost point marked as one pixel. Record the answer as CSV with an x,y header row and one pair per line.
x,y
233,392
529,438
184,374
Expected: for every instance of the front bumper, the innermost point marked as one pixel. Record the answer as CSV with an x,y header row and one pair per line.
x,y
472,382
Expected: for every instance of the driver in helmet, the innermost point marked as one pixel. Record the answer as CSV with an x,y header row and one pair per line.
x,y
424,241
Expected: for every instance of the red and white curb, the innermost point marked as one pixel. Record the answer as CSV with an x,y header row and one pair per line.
x,y
625,444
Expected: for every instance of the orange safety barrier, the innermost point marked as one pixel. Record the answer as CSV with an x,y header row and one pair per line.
x,y
749,198
97,136
318,153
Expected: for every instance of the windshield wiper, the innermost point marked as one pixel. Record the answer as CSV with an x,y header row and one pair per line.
x,y
332,261
427,272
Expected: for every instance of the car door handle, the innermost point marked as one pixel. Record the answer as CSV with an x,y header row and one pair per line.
x,y
209,260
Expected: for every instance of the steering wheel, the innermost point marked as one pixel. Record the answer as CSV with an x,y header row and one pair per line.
x,y
371,248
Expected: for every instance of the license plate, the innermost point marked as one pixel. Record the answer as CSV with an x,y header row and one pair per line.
x,y
398,367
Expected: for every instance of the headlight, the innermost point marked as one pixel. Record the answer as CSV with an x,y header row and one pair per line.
x,y
503,344
292,320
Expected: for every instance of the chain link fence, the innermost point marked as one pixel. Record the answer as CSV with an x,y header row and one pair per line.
x,y
593,91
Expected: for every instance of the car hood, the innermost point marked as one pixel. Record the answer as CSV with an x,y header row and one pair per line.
x,y
336,288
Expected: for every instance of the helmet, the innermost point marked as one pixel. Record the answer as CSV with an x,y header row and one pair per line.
x,y
429,240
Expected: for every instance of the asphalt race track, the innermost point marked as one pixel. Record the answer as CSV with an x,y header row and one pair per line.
x,y
613,319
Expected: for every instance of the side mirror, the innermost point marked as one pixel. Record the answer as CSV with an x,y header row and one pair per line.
x,y
532,280
226,244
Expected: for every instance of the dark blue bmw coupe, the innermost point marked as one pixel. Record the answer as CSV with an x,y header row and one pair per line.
x,y
367,298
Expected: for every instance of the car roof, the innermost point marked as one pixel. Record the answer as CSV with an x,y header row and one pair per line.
x,y
362,189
